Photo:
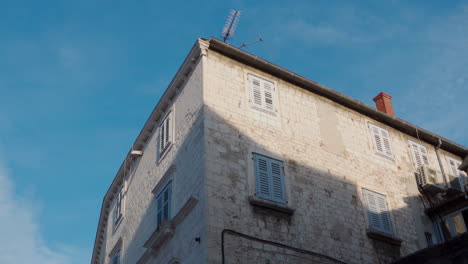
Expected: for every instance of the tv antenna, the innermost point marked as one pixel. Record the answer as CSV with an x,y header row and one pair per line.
x,y
230,28
231,24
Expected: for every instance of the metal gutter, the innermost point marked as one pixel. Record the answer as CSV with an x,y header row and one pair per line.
x,y
360,107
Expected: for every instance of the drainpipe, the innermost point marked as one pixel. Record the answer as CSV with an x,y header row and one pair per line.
x,y
440,163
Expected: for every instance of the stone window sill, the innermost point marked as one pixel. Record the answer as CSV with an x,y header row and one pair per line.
x,y
282,208
383,237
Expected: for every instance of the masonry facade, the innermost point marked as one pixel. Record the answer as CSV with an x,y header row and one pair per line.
x,y
244,162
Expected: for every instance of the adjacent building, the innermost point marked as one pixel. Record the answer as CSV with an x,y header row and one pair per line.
x,y
242,161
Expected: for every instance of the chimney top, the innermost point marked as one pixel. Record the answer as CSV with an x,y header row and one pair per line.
x,y
383,101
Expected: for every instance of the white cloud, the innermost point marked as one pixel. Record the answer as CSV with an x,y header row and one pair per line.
x,y
21,240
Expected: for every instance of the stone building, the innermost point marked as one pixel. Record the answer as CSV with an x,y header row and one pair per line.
x,y
242,161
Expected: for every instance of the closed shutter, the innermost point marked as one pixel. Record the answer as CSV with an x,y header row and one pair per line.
x,y
453,166
256,91
386,142
262,177
377,138
262,93
381,140
270,179
419,153
268,92
277,180
377,210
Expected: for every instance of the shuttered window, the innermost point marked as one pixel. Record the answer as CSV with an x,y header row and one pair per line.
x,y
165,134
269,179
262,93
377,211
163,201
381,140
419,153
453,165
118,207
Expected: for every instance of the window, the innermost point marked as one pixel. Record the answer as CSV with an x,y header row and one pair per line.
x,y
377,211
458,175
164,204
453,225
381,140
165,134
118,207
262,93
419,153
115,259
269,179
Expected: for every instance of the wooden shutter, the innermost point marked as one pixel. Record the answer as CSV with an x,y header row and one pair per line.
x,y
386,142
268,95
256,91
270,179
262,177
377,138
162,136
381,140
277,180
377,210
419,153
453,165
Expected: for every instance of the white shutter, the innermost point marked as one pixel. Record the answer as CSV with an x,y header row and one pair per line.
x,y
386,142
419,153
268,95
256,91
453,165
377,210
262,93
381,140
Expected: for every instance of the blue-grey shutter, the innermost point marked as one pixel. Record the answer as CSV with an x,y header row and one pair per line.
x,y
384,214
262,177
377,210
277,180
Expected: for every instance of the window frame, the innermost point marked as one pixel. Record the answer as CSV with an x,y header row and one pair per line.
x,y
270,162
167,189
164,146
263,106
440,232
371,215
381,134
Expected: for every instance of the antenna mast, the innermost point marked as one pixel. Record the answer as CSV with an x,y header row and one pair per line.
x,y
231,24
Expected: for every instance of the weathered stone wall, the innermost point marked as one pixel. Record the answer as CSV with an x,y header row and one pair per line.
x,y
186,153
329,158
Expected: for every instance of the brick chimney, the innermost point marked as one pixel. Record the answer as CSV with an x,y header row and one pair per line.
x,y
383,101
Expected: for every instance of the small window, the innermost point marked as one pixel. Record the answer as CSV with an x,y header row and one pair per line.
x,y
381,140
262,93
165,134
115,259
377,211
269,179
163,201
419,153
118,207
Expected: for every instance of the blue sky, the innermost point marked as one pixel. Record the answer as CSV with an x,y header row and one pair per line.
x,y
78,80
